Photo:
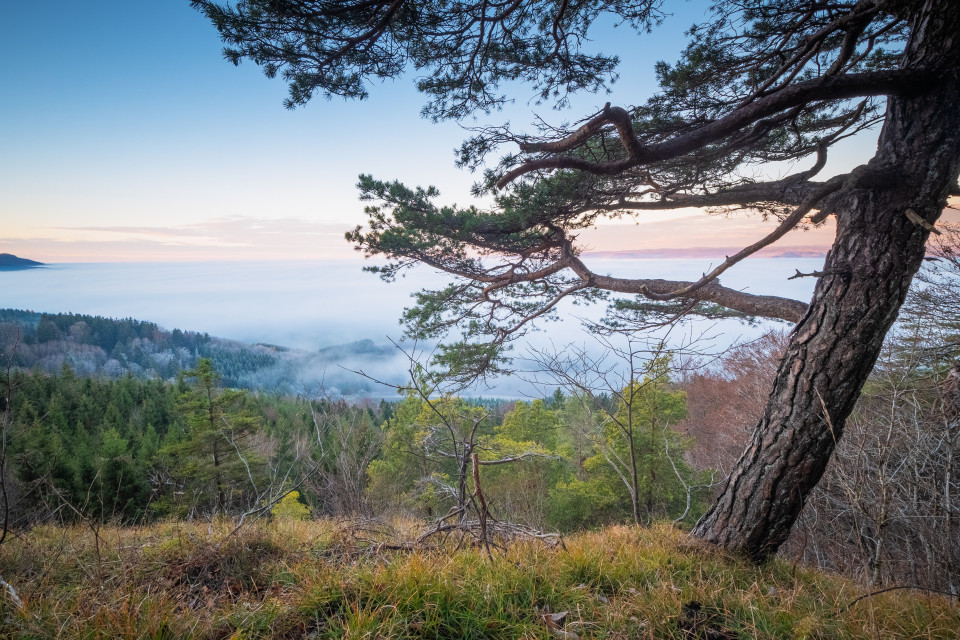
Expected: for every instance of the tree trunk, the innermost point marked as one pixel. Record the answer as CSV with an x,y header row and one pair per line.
x,y
218,479
634,476
868,270
951,418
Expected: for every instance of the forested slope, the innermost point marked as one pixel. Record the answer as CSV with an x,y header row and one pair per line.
x,y
94,345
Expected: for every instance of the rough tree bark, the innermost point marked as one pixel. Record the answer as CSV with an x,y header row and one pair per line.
x,y
877,251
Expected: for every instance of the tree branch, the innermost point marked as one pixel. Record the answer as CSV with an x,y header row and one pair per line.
x,y
788,223
824,88
793,189
748,303
508,460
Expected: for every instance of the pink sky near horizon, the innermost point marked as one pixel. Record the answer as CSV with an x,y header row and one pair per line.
x,y
247,238
251,239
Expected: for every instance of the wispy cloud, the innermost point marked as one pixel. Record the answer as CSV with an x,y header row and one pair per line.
x,y
290,238
225,238
225,227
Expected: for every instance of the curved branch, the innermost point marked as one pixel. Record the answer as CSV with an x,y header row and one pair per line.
x,y
706,290
508,460
791,221
824,88
793,189
748,303
617,116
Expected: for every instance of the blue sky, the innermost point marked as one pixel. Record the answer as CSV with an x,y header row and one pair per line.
x,y
124,135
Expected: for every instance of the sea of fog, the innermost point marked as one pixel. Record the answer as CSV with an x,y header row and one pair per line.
x,y
310,305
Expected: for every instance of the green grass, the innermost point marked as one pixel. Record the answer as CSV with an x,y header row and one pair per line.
x,y
313,580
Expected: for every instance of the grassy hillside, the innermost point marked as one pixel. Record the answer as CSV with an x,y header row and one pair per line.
x,y
325,580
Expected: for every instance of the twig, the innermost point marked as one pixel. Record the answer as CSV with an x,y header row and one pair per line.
x,y
819,274
898,587
13,593
919,220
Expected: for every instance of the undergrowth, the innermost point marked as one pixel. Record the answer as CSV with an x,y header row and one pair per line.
x,y
325,580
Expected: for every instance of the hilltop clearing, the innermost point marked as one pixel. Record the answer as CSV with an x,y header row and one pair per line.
x,y
326,579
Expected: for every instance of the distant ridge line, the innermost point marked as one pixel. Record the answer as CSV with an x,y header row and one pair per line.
x,y
712,252
10,261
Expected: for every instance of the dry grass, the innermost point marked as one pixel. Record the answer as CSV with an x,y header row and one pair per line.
x,y
322,580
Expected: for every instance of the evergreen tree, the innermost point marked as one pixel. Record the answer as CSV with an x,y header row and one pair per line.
x,y
215,460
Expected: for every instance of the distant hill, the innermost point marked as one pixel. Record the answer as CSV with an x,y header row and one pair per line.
x,y
359,349
10,262
111,347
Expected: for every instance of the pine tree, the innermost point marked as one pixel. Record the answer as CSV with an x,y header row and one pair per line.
x,y
216,459
761,81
